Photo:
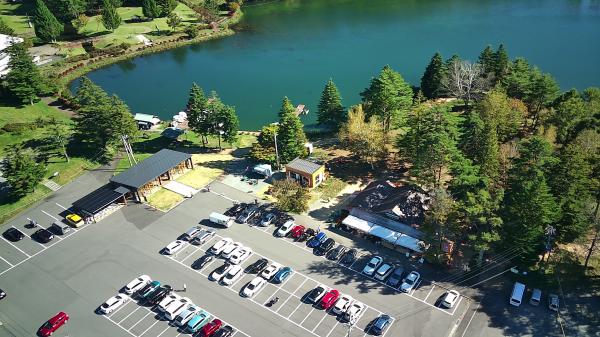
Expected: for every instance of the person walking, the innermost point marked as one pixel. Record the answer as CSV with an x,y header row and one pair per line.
x,y
184,287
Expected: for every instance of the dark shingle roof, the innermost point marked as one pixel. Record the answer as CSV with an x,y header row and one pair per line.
x,y
100,198
303,166
150,169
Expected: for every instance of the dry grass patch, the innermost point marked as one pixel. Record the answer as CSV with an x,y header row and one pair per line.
x,y
164,199
200,176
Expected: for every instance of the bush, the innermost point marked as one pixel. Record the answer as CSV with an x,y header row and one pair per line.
x,y
18,127
191,31
291,197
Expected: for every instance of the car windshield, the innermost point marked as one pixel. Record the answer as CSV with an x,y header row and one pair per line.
x,y
47,325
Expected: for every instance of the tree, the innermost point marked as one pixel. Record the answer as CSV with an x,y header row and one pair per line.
x,y
487,59
569,111
192,31
166,7
23,80
501,63
81,21
439,223
290,196
365,139
5,29
173,20
431,82
57,139
198,115
264,148
543,90
21,170
518,79
528,205
330,109
225,122
465,80
46,27
150,9
110,17
389,96
66,10
291,139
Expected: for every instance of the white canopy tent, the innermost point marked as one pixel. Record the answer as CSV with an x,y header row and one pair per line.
x,y
357,223
264,169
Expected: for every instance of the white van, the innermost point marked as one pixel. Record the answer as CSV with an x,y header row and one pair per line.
x,y
517,294
175,308
221,219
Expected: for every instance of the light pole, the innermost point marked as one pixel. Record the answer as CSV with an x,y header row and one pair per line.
x,y
220,130
549,231
276,151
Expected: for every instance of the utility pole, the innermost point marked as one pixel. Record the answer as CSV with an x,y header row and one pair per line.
x,y
128,150
549,231
276,151
597,226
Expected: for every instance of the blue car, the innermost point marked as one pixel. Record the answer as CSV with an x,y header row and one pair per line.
x,y
317,240
198,321
149,289
380,324
282,274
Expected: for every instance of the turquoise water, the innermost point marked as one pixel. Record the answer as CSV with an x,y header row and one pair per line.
x,y
291,48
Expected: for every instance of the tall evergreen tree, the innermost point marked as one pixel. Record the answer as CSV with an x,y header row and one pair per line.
x,y
389,96
23,80
198,117
46,26
291,137
487,59
569,111
431,82
286,108
5,29
166,7
110,17
21,170
501,63
66,11
330,109
225,122
150,9
518,79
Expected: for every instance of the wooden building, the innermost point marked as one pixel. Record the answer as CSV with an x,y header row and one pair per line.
x,y
305,172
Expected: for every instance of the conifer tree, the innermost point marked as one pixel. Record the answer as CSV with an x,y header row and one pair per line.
x,y
501,63
291,137
5,29
46,26
150,9
487,59
23,80
330,109
431,82
198,117
166,7
110,17
21,170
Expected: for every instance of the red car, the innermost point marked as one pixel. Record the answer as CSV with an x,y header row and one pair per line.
x,y
210,328
53,324
297,231
329,299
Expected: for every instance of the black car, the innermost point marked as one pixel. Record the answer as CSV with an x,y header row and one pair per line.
x,y
349,257
324,247
202,261
335,253
158,295
236,209
247,214
225,331
315,294
13,234
2,294
380,324
257,266
308,234
396,277
43,235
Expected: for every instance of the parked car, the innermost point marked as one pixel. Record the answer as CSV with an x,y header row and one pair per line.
x,y
2,294
157,296
352,314
315,295
410,281
324,247
336,252
53,324
225,331
176,307
167,300
136,284
233,274
202,261
384,271
381,323
43,235
247,214
240,255
328,300
553,302
198,321
297,232
59,228
191,233
349,257
342,304
270,271
74,220
228,251
317,240
253,286
450,299
13,234
372,265
257,267
267,219
210,328
285,229
186,315
308,234
174,247
202,237
396,277
148,289
113,303
282,275
218,273
218,247
236,209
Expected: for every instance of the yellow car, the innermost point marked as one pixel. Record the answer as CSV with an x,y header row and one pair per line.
x,y
75,220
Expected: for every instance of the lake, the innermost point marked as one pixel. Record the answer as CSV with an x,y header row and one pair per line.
x,y
291,48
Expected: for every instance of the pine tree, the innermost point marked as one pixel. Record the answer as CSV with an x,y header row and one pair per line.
x,y
66,11
569,111
226,123
150,9
21,170
330,109
5,29
389,96
23,80
197,112
110,17
291,137
487,59
431,82
166,7
501,63
46,26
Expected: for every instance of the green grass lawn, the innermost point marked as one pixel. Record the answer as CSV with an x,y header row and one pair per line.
x,y
10,208
14,15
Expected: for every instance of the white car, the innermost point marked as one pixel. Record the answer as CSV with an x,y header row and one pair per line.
x,y
270,271
218,247
168,300
186,315
218,273
136,284
384,271
342,304
176,307
317,293
285,228
410,281
113,303
450,298
240,255
370,268
353,313
228,251
174,247
232,275
254,286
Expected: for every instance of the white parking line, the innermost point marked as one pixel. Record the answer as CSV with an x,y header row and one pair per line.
x,y
313,309
165,330
197,249
298,306
150,327
119,308
131,313
61,206
50,215
138,322
30,237
322,319
457,305
115,323
293,292
429,293
17,248
334,326
3,259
